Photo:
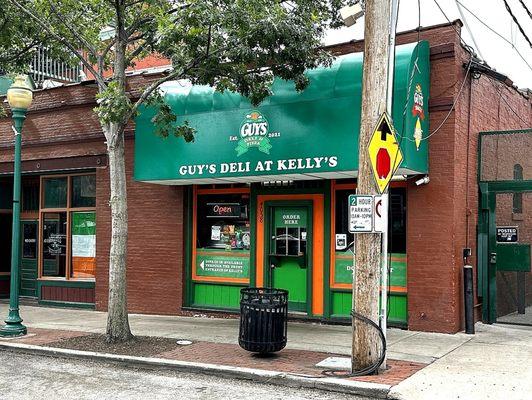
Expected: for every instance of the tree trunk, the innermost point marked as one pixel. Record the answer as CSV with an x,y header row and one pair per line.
x,y
366,281
117,319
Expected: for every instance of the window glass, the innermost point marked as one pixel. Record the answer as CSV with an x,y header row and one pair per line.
x,y
344,241
29,237
6,194
222,236
223,222
54,244
83,244
84,191
30,195
397,221
55,192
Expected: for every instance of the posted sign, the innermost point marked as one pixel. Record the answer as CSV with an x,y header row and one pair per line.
x,y
507,234
360,213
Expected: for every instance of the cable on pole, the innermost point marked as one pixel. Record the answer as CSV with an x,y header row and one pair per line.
x,y
517,22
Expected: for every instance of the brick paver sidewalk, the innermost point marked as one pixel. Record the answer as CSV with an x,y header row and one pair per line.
x,y
299,362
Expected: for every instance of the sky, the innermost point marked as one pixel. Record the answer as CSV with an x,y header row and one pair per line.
x,y
499,54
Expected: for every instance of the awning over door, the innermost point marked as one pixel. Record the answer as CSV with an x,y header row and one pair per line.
x,y
290,136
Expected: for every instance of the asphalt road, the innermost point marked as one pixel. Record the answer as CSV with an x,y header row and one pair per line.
x,y
39,377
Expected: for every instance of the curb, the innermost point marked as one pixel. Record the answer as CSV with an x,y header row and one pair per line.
x,y
364,390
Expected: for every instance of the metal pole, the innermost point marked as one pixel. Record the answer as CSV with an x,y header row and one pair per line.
x,y
385,196
468,300
13,326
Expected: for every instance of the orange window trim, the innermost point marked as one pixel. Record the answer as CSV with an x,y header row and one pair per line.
x,y
343,186
317,243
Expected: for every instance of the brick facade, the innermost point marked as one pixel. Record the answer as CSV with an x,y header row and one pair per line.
x,y
155,243
441,216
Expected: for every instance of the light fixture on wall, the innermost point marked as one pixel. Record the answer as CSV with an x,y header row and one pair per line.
x,y
423,181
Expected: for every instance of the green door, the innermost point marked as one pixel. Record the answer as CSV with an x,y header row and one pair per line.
x,y
28,261
290,252
509,257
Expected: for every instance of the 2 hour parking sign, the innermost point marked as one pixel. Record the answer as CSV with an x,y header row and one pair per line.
x,y
360,213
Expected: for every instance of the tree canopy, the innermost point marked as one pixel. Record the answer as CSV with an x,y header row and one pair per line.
x,y
238,45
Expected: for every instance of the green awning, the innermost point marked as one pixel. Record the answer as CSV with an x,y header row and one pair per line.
x,y
308,135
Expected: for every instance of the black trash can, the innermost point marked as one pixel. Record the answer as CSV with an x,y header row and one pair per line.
x,y
263,319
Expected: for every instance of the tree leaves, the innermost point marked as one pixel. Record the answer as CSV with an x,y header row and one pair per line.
x,y
113,105
238,45
165,120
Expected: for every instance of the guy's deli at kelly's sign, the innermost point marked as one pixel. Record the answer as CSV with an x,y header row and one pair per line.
x,y
291,164
313,134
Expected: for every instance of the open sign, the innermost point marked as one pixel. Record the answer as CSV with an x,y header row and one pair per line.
x,y
232,210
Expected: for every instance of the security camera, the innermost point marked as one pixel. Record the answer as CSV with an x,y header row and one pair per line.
x,y
350,14
423,181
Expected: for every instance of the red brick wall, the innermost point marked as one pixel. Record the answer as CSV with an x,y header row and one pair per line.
x,y
442,216
155,243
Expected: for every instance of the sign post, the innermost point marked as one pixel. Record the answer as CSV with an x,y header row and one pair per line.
x,y
385,156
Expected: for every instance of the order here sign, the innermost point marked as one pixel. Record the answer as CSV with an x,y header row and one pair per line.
x,y
368,213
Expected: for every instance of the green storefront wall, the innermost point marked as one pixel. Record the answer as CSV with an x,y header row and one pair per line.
x,y
294,135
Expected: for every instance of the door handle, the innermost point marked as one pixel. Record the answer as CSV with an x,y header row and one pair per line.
x,y
493,258
272,266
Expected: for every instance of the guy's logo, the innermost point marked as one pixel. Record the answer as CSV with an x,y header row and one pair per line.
x,y
253,133
417,111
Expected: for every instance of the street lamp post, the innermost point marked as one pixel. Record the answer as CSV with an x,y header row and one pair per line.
x,y
19,97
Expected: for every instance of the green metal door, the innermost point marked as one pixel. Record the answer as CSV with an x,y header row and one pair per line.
x,y
509,257
290,252
28,259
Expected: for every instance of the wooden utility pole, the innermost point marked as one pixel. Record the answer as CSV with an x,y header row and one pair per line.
x,y
366,282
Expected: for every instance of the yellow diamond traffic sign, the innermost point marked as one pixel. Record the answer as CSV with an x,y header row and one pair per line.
x,y
384,152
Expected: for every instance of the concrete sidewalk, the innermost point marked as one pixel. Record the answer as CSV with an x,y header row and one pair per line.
x,y
494,363
402,345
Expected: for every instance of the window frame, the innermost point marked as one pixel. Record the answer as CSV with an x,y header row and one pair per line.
x,y
338,186
69,210
196,193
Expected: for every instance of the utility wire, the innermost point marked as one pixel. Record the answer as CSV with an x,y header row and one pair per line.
x,y
490,80
508,104
454,102
488,27
517,22
526,8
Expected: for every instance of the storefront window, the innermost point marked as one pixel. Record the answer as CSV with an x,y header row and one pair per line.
x,y
344,241
54,244
29,244
83,244
84,191
69,223
55,192
222,236
30,195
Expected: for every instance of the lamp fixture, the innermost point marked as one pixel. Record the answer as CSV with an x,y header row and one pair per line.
x,y
20,95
